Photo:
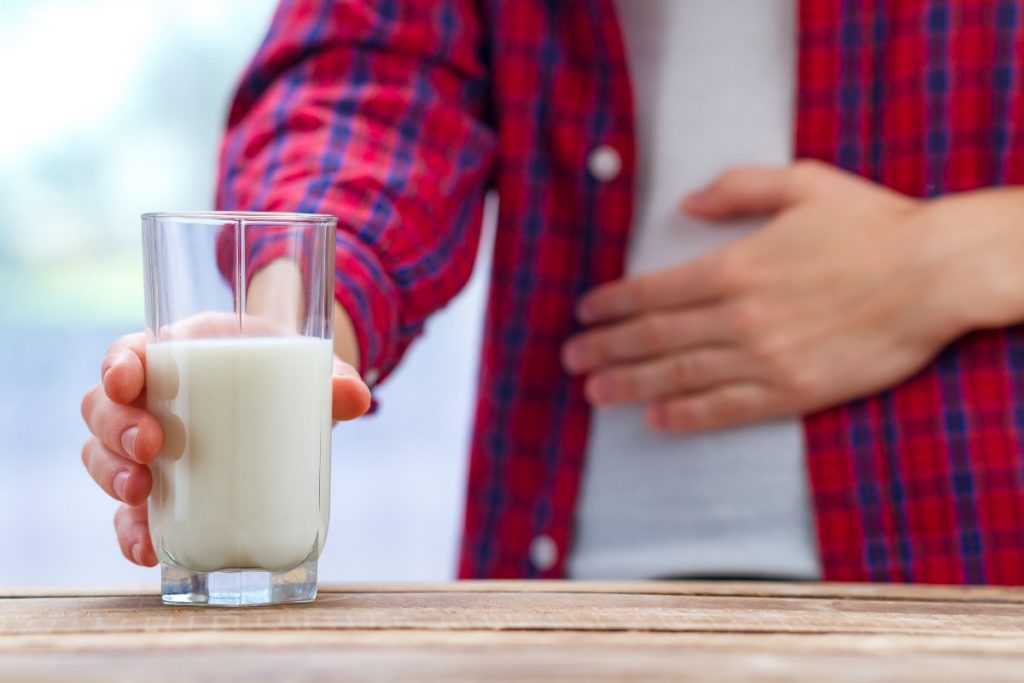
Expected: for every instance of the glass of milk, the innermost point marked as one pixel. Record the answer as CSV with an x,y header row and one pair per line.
x,y
239,320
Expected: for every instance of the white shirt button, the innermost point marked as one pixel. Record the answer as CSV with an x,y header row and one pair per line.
x,y
604,163
371,376
543,552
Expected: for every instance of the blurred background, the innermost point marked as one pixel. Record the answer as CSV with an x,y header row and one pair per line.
x,y
112,108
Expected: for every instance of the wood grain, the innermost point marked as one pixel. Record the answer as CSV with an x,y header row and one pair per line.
x,y
512,631
509,663
455,611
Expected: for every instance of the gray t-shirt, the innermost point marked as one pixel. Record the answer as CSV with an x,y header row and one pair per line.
x,y
714,84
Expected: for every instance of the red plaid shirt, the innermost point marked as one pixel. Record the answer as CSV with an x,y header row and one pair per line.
x,y
397,116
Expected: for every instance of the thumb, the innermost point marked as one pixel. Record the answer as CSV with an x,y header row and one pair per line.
x,y
743,191
350,397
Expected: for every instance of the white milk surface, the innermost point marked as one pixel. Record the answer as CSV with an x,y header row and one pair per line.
x,y
243,478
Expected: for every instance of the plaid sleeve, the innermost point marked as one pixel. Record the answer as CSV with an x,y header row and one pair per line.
x,y
373,111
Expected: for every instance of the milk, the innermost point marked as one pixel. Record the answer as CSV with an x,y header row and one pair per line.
x,y
243,478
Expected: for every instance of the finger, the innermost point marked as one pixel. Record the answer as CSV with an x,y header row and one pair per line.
x,y
744,191
350,397
123,370
129,431
121,478
726,405
645,336
677,373
132,526
699,281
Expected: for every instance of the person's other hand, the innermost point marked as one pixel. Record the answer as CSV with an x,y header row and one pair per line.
x,y
839,295
126,438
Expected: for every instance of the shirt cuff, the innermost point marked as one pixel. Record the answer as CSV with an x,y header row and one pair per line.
x,y
364,290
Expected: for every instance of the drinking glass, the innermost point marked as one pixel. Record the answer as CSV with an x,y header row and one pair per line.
x,y
239,320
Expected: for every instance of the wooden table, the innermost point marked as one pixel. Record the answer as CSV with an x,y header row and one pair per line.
x,y
515,631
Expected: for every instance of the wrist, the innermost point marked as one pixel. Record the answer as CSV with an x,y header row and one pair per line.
x,y
346,344
275,294
972,247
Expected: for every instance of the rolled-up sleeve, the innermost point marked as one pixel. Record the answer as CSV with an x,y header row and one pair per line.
x,y
375,112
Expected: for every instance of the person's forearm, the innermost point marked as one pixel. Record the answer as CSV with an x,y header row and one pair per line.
x,y
974,244
270,294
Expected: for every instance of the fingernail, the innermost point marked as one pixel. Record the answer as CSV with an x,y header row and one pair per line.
x,y
584,312
574,357
121,483
696,200
137,552
128,441
598,390
657,418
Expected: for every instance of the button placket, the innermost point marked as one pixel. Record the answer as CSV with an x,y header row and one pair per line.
x,y
604,163
543,552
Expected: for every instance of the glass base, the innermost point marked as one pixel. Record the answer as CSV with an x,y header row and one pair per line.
x,y
238,587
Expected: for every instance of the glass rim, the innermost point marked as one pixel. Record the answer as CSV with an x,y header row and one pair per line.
x,y
247,216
